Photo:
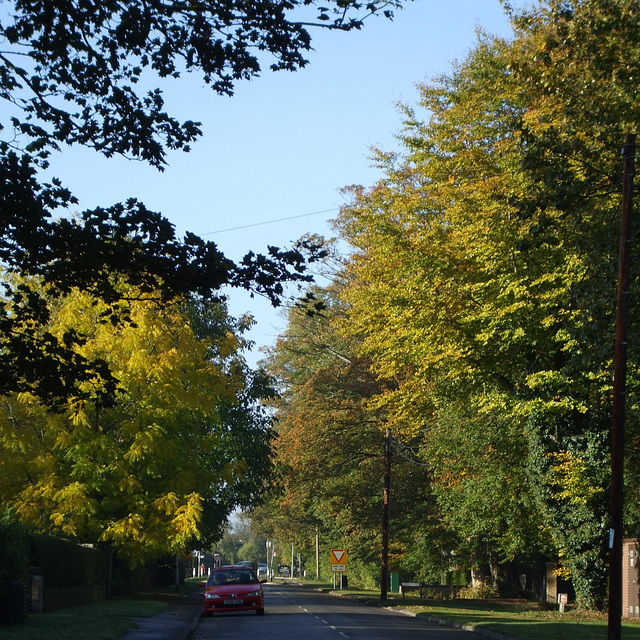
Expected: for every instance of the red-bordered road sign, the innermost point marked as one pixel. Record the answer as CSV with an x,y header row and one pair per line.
x,y
338,560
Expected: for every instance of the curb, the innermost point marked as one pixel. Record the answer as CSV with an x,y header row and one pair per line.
x,y
455,625
494,635
175,623
195,621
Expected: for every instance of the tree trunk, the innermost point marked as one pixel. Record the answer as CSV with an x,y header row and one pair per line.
x,y
477,578
494,567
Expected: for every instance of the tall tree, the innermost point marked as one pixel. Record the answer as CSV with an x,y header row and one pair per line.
x,y
330,446
485,266
161,468
72,72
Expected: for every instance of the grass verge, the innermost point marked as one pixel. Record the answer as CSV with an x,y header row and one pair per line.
x,y
516,619
106,620
524,623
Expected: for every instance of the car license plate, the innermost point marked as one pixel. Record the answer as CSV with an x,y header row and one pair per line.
x,y
234,601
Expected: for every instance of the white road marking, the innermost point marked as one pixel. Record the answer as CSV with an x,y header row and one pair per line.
x,y
344,635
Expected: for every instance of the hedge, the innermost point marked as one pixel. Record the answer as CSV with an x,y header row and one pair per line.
x,y
65,563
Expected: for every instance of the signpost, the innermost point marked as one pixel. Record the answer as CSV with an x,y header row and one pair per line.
x,y
338,561
339,565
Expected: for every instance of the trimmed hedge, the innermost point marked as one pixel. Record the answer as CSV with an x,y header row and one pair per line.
x,y
72,574
67,564
14,560
14,552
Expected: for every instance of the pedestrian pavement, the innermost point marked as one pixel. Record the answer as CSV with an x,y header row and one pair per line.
x,y
175,623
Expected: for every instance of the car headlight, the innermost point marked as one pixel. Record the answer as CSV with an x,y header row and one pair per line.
x,y
254,593
211,596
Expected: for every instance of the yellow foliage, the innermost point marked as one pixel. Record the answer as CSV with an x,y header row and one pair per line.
x,y
570,475
77,471
186,520
129,528
72,507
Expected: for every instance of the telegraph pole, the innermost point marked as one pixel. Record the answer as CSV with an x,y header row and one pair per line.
x,y
619,380
384,574
317,553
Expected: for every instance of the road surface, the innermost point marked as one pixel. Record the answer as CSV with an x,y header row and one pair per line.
x,y
293,612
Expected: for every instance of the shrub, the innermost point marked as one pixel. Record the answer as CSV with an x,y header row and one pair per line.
x,y
14,557
67,564
482,592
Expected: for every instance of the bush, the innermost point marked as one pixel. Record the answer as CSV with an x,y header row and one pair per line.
x,y
364,574
14,550
14,557
482,592
458,577
67,564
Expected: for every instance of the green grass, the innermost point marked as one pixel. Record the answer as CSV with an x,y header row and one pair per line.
x,y
108,620
525,624
521,620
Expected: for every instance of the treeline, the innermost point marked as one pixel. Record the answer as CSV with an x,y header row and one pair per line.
x,y
159,468
128,415
474,318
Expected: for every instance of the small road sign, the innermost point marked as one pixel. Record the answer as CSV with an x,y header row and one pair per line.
x,y
338,561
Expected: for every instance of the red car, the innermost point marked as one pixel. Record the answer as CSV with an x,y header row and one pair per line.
x,y
233,588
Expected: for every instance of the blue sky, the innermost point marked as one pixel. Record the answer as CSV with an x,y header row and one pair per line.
x,y
285,143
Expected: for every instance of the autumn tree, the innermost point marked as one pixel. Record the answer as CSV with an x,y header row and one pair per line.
x,y
330,447
162,467
483,284
73,73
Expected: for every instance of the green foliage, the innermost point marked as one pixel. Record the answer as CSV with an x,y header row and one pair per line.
x,y
479,460
14,551
482,286
74,73
66,564
241,542
330,447
571,485
165,465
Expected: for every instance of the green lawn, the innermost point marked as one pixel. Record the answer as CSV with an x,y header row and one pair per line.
x,y
529,624
524,621
107,620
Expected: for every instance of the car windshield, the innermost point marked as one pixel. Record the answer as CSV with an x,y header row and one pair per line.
x,y
233,576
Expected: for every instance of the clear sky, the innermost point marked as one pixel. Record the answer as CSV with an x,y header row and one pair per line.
x,y
285,143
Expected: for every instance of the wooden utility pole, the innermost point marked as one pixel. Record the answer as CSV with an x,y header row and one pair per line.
x,y
317,553
384,573
619,381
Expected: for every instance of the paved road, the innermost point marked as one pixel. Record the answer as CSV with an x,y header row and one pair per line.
x,y
293,612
